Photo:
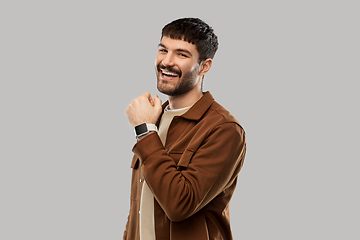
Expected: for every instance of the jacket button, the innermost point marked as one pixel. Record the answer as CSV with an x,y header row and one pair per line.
x,y
141,180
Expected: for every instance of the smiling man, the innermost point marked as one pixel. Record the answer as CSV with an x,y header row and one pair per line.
x,y
189,150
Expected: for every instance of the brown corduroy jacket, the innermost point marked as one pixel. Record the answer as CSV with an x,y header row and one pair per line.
x,y
193,177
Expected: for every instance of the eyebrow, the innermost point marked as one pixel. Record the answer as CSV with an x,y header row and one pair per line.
x,y
176,50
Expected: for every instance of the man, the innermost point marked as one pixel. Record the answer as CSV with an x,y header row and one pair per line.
x,y
189,150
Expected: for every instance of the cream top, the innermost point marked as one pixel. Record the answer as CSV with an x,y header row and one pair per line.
x,y
147,220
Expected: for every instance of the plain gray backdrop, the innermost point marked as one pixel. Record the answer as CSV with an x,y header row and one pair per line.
x,y
287,70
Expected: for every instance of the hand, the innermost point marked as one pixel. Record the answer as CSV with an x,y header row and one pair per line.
x,y
144,109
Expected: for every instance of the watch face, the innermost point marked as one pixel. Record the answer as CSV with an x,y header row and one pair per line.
x,y
142,128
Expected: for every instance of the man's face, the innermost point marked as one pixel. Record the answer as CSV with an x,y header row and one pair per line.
x,y
177,66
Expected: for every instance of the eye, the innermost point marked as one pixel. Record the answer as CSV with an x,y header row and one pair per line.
x,y
183,55
162,50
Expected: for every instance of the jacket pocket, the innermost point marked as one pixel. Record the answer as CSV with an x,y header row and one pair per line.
x,y
135,162
136,185
185,158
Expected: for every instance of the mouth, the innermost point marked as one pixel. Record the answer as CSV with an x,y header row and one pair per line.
x,y
166,75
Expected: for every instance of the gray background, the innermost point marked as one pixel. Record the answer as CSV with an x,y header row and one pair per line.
x,y
287,70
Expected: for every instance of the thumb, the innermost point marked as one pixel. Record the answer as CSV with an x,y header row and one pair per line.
x,y
157,101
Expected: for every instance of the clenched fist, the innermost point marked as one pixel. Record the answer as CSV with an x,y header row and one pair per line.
x,y
144,109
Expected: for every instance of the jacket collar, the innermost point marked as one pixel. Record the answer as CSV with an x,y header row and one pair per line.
x,y
198,109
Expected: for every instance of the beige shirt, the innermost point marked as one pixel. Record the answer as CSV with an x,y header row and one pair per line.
x,y
147,221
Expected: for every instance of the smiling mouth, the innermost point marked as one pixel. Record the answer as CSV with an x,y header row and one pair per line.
x,y
166,75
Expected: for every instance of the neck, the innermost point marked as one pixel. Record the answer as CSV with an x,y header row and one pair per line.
x,y
185,100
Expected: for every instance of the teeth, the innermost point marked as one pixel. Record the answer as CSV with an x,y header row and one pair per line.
x,y
169,73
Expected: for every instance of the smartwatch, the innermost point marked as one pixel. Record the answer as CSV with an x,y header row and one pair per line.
x,y
144,128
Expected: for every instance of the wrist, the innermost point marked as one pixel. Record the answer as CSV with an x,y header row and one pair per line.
x,y
143,129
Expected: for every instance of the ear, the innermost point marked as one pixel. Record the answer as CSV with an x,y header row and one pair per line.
x,y
205,66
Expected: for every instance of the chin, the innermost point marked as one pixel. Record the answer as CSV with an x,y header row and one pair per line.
x,y
165,87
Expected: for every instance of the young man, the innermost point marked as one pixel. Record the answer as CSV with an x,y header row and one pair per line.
x,y
189,150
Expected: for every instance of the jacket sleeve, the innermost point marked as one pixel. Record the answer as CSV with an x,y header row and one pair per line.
x,y
126,229
183,190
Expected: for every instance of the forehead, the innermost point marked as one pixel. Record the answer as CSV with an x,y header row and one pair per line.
x,y
176,44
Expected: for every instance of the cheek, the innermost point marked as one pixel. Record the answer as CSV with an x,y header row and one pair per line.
x,y
157,60
185,67
191,68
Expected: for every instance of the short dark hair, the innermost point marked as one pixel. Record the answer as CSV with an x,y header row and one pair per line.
x,y
195,31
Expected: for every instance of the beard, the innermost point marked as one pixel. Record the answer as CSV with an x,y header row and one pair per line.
x,y
186,81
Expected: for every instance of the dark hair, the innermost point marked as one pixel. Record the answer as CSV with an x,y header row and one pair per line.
x,y
195,31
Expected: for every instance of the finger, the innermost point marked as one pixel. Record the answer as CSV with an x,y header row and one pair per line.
x,y
157,101
148,96
151,102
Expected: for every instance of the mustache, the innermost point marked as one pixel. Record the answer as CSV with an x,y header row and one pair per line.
x,y
169,69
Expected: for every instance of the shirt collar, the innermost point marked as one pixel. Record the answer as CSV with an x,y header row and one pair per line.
x,y
198,109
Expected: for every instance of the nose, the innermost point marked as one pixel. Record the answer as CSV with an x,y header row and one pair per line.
x,y
168,60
